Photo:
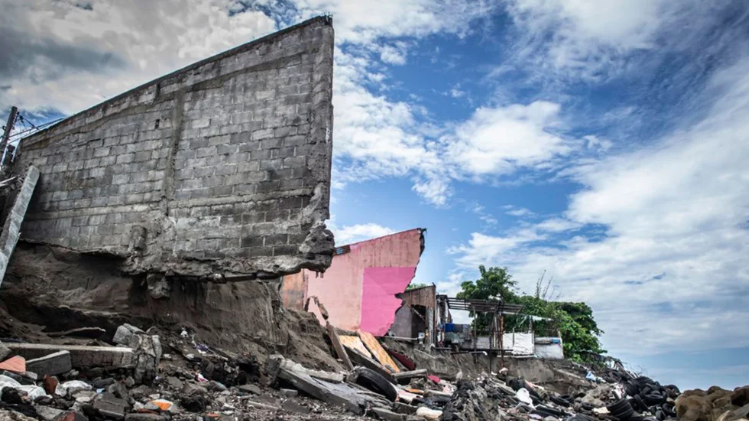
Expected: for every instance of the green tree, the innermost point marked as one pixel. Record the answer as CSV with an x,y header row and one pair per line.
x,y
573,321
494,283
414,286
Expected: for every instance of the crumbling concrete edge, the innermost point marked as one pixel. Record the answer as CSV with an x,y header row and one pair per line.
x,y
12,227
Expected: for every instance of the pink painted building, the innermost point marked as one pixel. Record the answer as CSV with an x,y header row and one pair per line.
x,y
359,289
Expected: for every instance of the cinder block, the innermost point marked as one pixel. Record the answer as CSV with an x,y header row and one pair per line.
x,y
50,365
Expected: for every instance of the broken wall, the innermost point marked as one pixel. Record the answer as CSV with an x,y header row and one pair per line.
x,y
360,287
220,168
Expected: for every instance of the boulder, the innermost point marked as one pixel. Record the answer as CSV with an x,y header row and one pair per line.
x,y
740,396
693,408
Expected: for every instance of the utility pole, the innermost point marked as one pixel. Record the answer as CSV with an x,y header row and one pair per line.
x,y
8,129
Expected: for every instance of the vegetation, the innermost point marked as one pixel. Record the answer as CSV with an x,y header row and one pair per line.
x,y
574,322
415,286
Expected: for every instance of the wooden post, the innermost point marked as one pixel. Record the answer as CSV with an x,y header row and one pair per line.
x,y
501,338
338,346
6,133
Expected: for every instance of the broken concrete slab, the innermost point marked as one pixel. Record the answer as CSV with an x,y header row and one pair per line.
x,y
50,365
123,334
341,394
12,226
80,356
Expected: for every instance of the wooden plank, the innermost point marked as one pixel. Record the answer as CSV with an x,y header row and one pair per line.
x,y
410,374
339,347
359,359
354,342
378,351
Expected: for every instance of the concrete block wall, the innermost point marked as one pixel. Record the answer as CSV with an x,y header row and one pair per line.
x,y
219,169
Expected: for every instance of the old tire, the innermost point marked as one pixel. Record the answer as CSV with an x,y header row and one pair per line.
x,y
560,401
622,410
374,381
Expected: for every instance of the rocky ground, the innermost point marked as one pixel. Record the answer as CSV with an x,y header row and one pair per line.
x,y
193,381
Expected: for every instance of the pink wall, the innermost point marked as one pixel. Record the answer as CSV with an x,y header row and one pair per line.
x,y
358,290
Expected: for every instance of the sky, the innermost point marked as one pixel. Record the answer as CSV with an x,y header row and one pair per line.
x,y
605,144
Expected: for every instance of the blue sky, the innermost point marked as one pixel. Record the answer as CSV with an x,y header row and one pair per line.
x,y
605,143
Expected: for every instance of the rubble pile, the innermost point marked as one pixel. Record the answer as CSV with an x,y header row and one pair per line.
x,y
165,375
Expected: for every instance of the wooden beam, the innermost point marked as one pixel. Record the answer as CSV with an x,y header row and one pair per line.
x,y
338,346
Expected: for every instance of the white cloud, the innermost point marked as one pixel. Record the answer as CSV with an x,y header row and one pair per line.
x,y
365,21
499,140
394,54
70,58
583,36
518,212
669,270
355,233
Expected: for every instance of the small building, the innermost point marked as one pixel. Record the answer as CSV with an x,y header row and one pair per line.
x,y
417,317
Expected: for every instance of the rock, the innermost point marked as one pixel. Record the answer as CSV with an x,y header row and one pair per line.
x,y
146,356
119,391
194,403
253,389
72,416
386,415
403,408
52,364
293,406
289,393
190,389
47,413
215,386
738,414
50,384
158,286
740,396
140,392
84,396
102,383
13,416
145,417
174,383
12,396
110,406
692,408
4,351
123,334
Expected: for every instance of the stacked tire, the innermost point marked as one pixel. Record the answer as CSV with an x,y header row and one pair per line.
x,y
621,409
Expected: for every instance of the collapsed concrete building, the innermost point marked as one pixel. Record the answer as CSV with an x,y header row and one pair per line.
x,y
358,291
218,170
148,204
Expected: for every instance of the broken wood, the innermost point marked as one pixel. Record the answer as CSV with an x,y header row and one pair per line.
x,y
339,347
378,351
359,359
354,342
406,375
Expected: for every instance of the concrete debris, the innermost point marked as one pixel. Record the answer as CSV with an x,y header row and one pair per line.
x,y
123,334
50,365
81,356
